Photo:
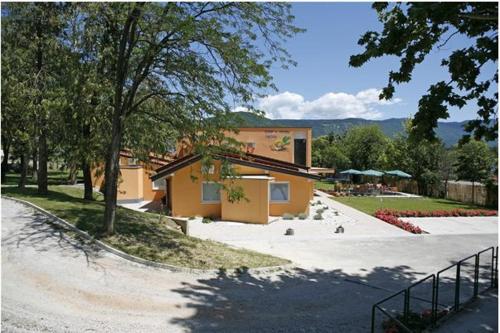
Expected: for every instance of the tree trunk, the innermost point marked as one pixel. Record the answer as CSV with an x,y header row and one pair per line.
x,y
87,181
111,173
42,139
5,161
24,169
73,171
42,160
35,165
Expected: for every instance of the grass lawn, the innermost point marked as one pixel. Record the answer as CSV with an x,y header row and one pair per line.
x,y
53,178
142,234
370,204
324,186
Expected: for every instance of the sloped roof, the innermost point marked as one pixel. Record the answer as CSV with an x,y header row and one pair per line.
x,y
251,160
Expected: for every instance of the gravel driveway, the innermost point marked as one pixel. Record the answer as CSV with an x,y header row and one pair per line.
x,y
54,283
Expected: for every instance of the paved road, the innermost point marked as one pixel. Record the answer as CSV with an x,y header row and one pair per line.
x,y
457,225
54,283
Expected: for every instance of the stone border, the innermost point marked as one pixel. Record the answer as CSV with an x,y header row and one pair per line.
x,y
138,260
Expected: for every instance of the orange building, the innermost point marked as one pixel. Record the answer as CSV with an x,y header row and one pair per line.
x,y
134,183
274,171
271,188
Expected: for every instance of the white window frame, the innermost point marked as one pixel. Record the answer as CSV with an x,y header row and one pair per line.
x,y
157,187
201,194
288,192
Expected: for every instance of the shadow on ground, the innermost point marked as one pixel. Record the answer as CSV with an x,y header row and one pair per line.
x,y
310,300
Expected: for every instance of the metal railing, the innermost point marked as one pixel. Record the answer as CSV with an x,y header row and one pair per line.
x,y
443,293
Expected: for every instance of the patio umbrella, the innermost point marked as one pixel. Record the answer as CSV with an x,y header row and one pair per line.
x,y
373,173
351,172
398,173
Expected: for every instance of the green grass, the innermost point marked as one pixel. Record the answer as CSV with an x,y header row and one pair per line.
x,y
53,178
370,204
323,186
142,234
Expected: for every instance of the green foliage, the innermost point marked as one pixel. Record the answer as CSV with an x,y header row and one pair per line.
x,y
411,31
475,162
365,147
288,216
302,216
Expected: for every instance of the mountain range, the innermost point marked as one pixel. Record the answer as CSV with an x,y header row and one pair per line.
x,y
449,132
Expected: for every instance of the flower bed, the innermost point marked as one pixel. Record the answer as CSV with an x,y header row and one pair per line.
x,y
392,216
394,220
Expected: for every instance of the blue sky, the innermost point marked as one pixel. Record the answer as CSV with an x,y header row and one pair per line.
x,y
324,86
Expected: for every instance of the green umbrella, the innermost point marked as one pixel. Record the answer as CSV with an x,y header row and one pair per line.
x,y
398,173
373,173
351,172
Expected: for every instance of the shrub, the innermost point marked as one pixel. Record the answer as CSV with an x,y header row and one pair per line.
x,y
394,220
318,202
288,216
320,211
325,208
302,216
191,218
318,216
207,220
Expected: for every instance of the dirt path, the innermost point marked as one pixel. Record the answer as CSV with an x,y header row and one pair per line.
x,y
54,283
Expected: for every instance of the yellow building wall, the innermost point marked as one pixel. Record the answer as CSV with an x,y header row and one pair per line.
x,y
130,184
186,195
267,142
148,192
300,195
186,192
255,210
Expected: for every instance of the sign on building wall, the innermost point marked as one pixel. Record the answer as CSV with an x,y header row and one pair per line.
x,y
281,140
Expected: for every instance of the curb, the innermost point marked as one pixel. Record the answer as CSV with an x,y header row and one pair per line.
x,y
138,260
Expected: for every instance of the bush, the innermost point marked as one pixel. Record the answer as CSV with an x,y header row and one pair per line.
x,y
207,220
325,208
302,216
318,202
320,211
288,216
318,216
191,218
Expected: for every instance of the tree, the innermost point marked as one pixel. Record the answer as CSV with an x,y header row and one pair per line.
x,y
474,162
415,29
34,31
327,152
191,58
365,147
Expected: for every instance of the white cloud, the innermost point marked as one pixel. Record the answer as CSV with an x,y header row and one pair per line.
x,y
332,105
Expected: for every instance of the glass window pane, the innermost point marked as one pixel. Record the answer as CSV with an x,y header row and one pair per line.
x,y
211,192
279,192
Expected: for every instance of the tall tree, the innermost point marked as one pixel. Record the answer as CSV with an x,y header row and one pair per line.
x,y
37,27
194,58
412,30
365,146
474,163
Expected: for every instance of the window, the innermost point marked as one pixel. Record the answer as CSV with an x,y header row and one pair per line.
x,y
159,184
210,192
279,192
